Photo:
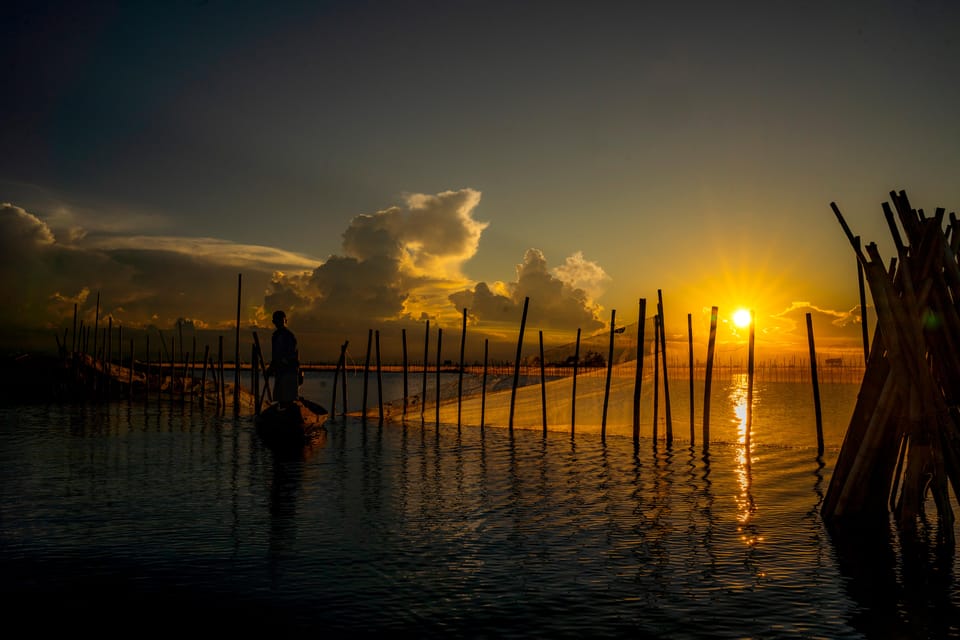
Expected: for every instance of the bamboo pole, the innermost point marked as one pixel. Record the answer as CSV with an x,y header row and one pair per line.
x,y
173,371
543,387
638,380
690,369
366,374
656,377
666,378
708,378
816,384
750,362
606,388
863,313
426,353
193,364
107,356
236,363
403,341
516,366
439,352
96,330
222,389
203,375
379,377
463,341
483,384
255,376
130,379
573,394
340,368
146,375
343,375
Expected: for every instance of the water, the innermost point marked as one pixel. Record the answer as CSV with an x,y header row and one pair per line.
x,y
161,519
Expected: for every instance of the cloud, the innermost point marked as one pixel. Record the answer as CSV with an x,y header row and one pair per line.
x,y
555,300
398,266
140,279
221,252
830,327
397,263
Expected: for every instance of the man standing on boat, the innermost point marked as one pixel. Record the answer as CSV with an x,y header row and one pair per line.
x,y
284,362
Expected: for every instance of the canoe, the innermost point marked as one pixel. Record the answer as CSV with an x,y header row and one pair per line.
x,y
298,424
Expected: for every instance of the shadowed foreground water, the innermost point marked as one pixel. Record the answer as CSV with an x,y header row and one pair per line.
x,y
162,520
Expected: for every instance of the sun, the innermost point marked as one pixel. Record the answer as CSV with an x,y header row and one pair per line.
x,y
742,318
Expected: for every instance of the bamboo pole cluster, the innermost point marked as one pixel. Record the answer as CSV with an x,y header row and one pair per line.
x,y
903,442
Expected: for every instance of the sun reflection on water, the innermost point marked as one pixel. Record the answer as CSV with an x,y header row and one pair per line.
x,y
746,507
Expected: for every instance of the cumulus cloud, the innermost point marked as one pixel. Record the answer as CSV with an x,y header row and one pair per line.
x,y
556,302
394,263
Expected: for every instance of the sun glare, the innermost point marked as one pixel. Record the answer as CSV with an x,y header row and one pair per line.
x,y
742,318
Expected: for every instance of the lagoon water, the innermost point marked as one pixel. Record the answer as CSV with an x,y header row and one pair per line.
x,y
161,519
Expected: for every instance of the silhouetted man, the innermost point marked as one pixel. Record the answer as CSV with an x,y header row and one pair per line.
x,y
284,362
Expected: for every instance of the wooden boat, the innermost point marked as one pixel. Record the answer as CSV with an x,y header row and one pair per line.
x,y
296,425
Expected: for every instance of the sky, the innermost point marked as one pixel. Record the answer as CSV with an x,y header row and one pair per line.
x,y
374,165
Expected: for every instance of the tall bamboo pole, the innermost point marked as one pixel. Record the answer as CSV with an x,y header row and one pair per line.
x,y
130,378
463,341
816,384
146,375
337,372
483,384
749,423
426,353
222,391
379,378
638,380
236,351
863,313
403,341
96,330
516,366
708,376
203,375
573,393
666,380
606,388
690,368
656,377
543,387
439,356
73,340
366,374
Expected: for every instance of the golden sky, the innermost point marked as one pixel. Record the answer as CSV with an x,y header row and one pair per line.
x,y
375,165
